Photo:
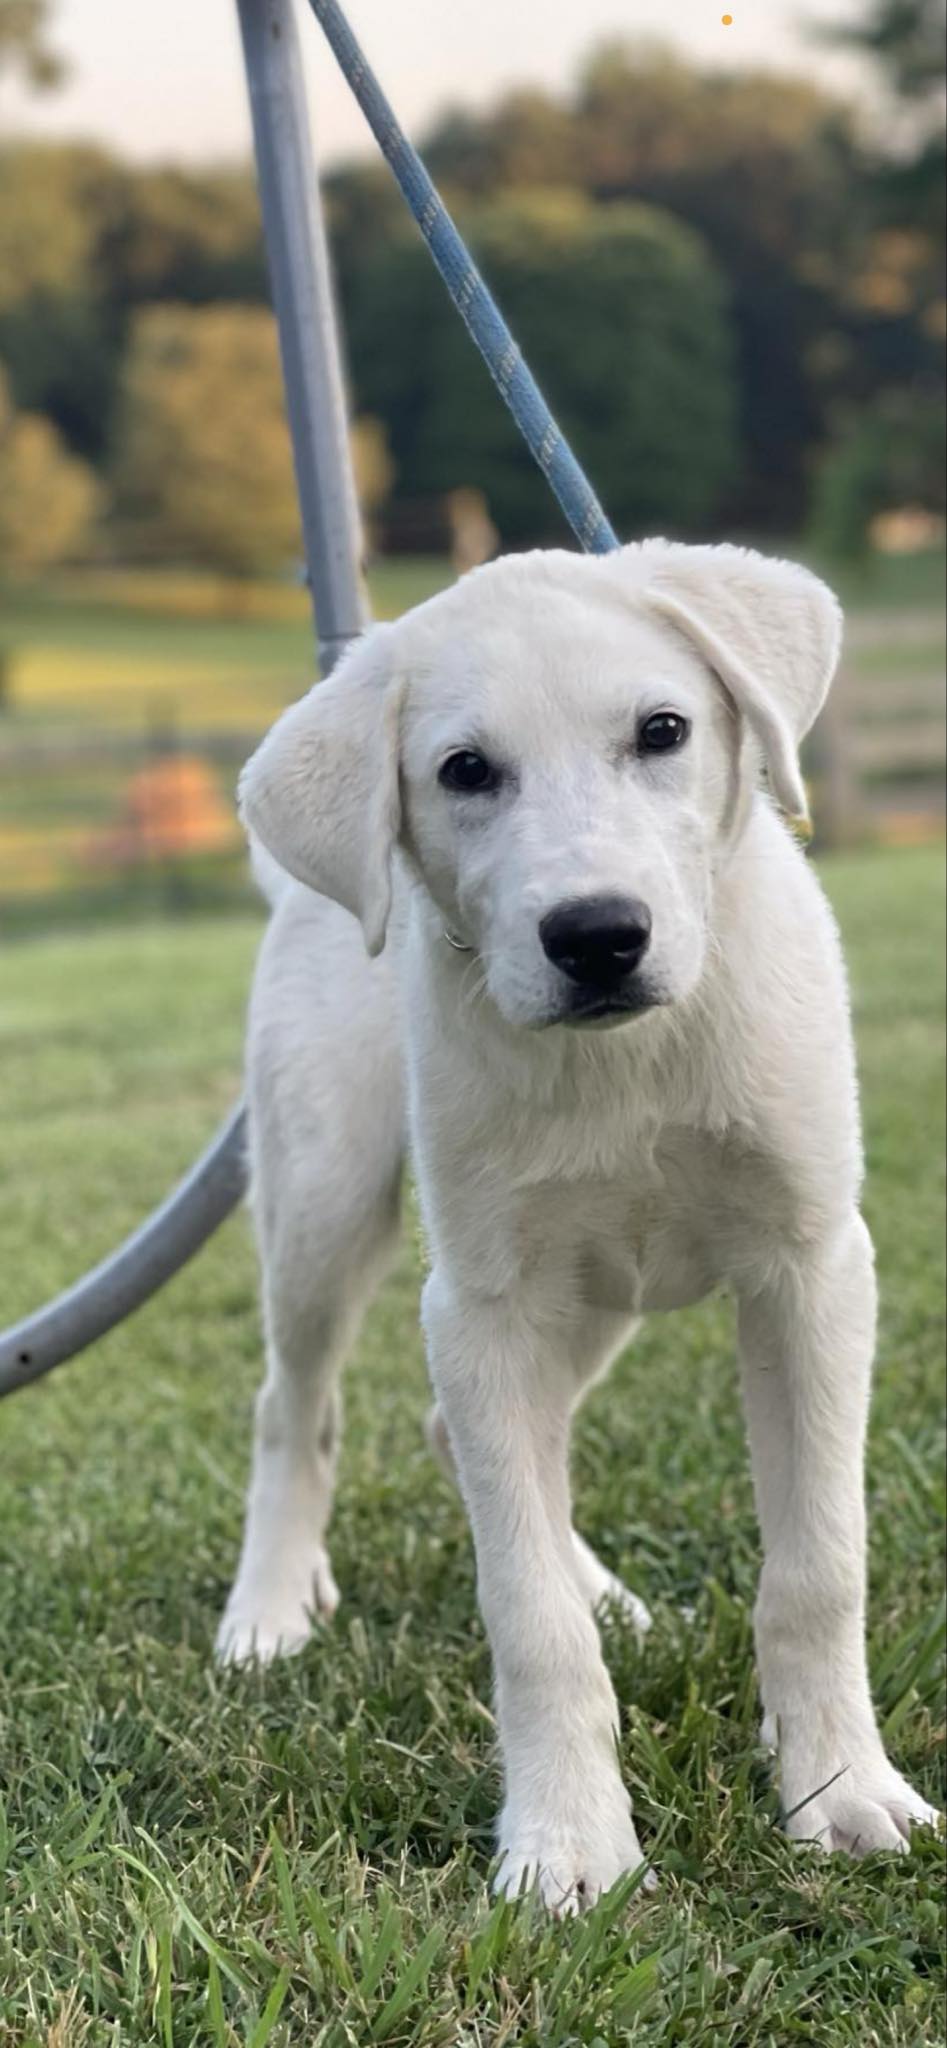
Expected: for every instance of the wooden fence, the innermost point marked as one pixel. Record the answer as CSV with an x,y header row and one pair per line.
x,y
877,758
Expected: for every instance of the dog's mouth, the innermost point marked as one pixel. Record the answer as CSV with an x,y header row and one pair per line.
x,y
597,1009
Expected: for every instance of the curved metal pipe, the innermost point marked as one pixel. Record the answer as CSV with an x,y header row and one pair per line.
x,y
165,1241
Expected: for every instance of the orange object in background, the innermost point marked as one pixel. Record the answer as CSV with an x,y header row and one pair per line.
x,y
173,807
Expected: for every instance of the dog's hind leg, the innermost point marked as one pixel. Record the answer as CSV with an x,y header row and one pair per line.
x,y
604,1335
326,1139
604,1590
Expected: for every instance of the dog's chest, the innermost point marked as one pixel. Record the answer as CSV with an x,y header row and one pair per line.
x,y
645,1261
640,1238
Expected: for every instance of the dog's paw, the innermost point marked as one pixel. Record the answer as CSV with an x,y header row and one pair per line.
x,y
606,1593
618,1601
263,1620
856,1809
565,1868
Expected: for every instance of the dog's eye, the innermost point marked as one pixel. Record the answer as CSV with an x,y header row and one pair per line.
x,y
662,732
467,772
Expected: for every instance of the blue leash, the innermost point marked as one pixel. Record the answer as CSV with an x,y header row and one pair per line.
x,y
474,303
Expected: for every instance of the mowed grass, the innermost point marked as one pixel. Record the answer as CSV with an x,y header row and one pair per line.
x,y
300,1856
128,651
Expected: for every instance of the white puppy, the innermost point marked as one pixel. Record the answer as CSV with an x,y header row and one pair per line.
x,y
616,990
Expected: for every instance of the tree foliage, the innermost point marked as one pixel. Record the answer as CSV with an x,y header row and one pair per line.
x,y
24,43
885,441
771,172
203,469
85,241
624,323
907,37
719,278
881,459
48,498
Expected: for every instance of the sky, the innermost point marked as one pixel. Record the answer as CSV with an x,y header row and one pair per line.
x,y
162,79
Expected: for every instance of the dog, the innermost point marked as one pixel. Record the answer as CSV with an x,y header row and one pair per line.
x,y
614,1002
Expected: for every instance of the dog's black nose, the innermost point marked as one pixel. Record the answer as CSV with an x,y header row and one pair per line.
x,y
597,940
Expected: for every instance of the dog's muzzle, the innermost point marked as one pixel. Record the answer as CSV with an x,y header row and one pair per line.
x,y
597,942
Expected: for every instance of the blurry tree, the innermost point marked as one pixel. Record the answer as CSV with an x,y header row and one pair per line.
x,y
881,459
886,446
903,165
203,470
759,164
48,499
823,228
61,330
83,241
187,236
907,36
623,319
364,210
23,43
528,139
372,467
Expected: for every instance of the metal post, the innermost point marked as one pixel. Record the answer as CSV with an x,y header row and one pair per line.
x,y
302,297
302,294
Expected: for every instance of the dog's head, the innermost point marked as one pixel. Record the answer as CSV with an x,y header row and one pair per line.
x,y
563,747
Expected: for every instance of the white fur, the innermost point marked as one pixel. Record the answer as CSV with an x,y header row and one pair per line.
x,y
570,1179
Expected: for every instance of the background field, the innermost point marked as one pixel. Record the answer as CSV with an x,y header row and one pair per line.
x,y
103,676
301,1856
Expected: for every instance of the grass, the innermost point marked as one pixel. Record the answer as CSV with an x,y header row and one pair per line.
x,y
900,583
129,651
300,1856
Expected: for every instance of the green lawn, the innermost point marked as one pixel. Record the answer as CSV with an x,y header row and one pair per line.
x,y
301,1856
130,651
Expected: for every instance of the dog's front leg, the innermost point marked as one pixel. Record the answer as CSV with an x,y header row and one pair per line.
x,y
807,1339
504,1389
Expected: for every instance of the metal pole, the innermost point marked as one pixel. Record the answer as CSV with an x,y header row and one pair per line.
x,y
302,294
302,298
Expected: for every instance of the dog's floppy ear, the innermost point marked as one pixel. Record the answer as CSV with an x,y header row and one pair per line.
x,y
321,791
770,630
